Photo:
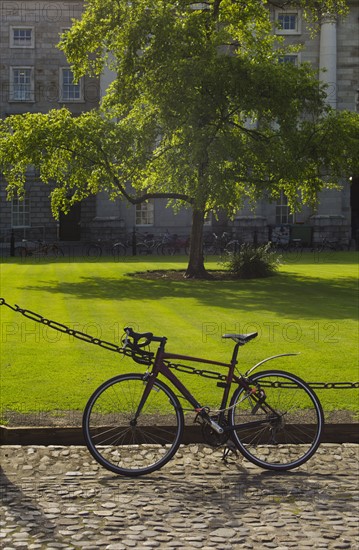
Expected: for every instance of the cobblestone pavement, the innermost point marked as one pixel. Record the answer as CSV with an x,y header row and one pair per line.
x,y
58,497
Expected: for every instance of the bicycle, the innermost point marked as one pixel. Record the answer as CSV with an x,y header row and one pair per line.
x,y
216,245
233,247
96,249
173,244
291,251
221,244
142,244
119,250
38,248
329,245
133,423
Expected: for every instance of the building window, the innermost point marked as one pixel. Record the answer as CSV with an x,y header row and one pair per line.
x,y
289,58
282,213
20,213
69,90
145,213
22,37
22,84
288,22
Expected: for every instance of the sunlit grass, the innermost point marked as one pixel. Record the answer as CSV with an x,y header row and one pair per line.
x,y
310,307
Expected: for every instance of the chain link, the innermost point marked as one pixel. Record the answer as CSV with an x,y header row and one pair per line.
x,y
66,330
146,358
217,376
192,370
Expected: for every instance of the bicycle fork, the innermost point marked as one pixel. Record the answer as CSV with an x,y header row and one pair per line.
x,y
149,384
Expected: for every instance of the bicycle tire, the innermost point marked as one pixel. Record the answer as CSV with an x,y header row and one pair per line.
x,y
132,450
233,247
143,249
284,440
94,251
60,251
292,253
20,252
168,249
55,250
118,250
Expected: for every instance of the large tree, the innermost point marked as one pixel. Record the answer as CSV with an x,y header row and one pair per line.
x,y
200,111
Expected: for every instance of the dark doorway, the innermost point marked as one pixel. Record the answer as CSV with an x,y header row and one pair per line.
x,y
70,229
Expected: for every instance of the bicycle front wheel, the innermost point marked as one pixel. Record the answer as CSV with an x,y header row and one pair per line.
x,y
281,430
124,443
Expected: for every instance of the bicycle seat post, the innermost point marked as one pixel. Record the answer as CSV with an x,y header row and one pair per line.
x,y
235,353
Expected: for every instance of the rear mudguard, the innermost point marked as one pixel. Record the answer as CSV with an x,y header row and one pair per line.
x,y
249,372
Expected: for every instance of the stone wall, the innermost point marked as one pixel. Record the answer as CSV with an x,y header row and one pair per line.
x,y
251,229
333,229
47,19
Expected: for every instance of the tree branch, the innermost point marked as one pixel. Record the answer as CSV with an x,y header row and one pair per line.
x,y
146,196
216,5
251,132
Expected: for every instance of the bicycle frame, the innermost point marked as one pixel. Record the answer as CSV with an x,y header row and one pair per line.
x,y
160,366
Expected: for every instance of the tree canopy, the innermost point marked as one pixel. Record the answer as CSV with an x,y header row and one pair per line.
x,y
200,111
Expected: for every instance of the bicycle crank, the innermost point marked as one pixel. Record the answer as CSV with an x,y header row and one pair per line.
x,y
213,433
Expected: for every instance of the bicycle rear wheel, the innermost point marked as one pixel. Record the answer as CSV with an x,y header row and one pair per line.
x,y
126,445
118,250
233,247
94,250
284,431
168,249
55,250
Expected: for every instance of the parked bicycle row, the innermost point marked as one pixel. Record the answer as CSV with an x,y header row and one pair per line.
x,y
141,244
170,244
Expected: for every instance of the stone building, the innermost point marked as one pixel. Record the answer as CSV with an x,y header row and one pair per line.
x,y
34,77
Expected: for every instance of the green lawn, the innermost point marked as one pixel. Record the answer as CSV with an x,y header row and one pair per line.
x,y
309,307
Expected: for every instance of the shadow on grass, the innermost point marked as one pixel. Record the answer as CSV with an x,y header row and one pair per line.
x,y
290,294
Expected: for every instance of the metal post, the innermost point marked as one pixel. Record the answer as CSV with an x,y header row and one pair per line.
x,y
134,244
12,243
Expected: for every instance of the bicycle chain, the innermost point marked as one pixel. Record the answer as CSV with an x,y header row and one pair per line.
x,y
146,357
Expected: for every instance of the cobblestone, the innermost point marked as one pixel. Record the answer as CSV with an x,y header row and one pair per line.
x,y
59,498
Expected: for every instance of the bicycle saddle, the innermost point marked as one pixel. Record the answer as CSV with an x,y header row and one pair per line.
x,y
241,339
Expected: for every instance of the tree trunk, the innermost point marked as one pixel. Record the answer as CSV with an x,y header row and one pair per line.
x,y
195,268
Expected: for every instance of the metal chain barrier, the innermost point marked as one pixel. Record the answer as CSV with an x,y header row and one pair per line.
x,y
217,376
145,357
192,370
66,330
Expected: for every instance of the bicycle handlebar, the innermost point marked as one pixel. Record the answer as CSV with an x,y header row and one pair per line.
x,y
135,341
137,337
141,339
